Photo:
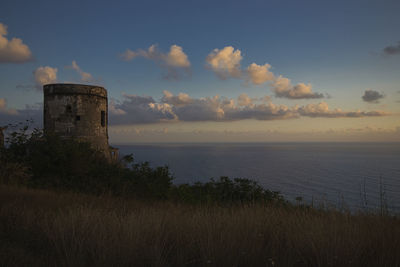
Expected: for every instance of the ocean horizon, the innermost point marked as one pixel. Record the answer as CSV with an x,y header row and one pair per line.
x,y
349,175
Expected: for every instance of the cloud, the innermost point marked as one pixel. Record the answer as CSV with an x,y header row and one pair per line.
x,y
172,61
85,76
283,88
5,110
203,109
113,109
259,74
225,62
134,109
180,100
172,108
372,96
14,50
244,100
392,49
128,55
177,58
44,75
151,134
9,115
181,107
129,131
322,110
263,111
139,109
150,53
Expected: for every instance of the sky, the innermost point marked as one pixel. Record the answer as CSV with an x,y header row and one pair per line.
x,y
211,71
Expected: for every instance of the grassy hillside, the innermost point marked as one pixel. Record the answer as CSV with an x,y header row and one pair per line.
x,y
44,228
64,204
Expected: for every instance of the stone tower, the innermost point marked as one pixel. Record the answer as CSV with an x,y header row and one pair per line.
x,y
78,111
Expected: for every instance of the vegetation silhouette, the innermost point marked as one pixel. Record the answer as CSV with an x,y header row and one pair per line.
x,y
40,160
63,204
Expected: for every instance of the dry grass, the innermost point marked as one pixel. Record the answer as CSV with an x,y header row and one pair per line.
x,y
42,228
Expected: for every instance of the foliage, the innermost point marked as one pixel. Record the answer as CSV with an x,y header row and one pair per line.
x,y
36,159
225,190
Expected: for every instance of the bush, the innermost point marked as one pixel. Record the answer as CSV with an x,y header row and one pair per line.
x,y
13,173
225,190
39,160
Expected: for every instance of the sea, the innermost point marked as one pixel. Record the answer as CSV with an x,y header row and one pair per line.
x,y
349,176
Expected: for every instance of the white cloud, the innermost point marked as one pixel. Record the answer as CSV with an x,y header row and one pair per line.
x,y
128,55
85,76
202,109
180,100
322,110
10,115
44,75
177,58
134,109
5,110
140,109
14,50
244,100
182,107
172,61
259,74
225,62
112,108
151,53
283,88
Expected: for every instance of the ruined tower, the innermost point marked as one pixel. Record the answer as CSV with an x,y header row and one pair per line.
x,y
78,111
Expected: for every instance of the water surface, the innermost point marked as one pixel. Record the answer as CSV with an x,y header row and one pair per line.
x,y
357,175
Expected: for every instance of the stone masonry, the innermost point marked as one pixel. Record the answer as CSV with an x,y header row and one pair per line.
x,y
78,111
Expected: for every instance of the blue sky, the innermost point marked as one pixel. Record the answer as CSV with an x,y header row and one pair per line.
x,y
336,46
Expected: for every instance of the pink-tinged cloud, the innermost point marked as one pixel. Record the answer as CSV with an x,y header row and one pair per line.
x,y
11,115
322,110
226,64
85,76
44,75
172,108
259,74
5,110
283,88
172,62
134,109
14,50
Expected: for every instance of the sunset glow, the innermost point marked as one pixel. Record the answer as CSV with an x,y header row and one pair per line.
x,y
200,72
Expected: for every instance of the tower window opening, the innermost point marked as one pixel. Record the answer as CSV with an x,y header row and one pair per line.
x,y
78,118
68,108
103,118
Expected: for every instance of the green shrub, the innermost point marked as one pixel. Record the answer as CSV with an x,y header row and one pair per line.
x,y
49,161
225,190
40,160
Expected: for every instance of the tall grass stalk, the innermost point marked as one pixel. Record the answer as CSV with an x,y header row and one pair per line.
x,y
42,228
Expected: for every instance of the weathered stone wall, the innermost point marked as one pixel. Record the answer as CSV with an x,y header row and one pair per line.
x,y
79,111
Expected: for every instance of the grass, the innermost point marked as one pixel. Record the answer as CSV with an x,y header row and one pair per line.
x,y
45,228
